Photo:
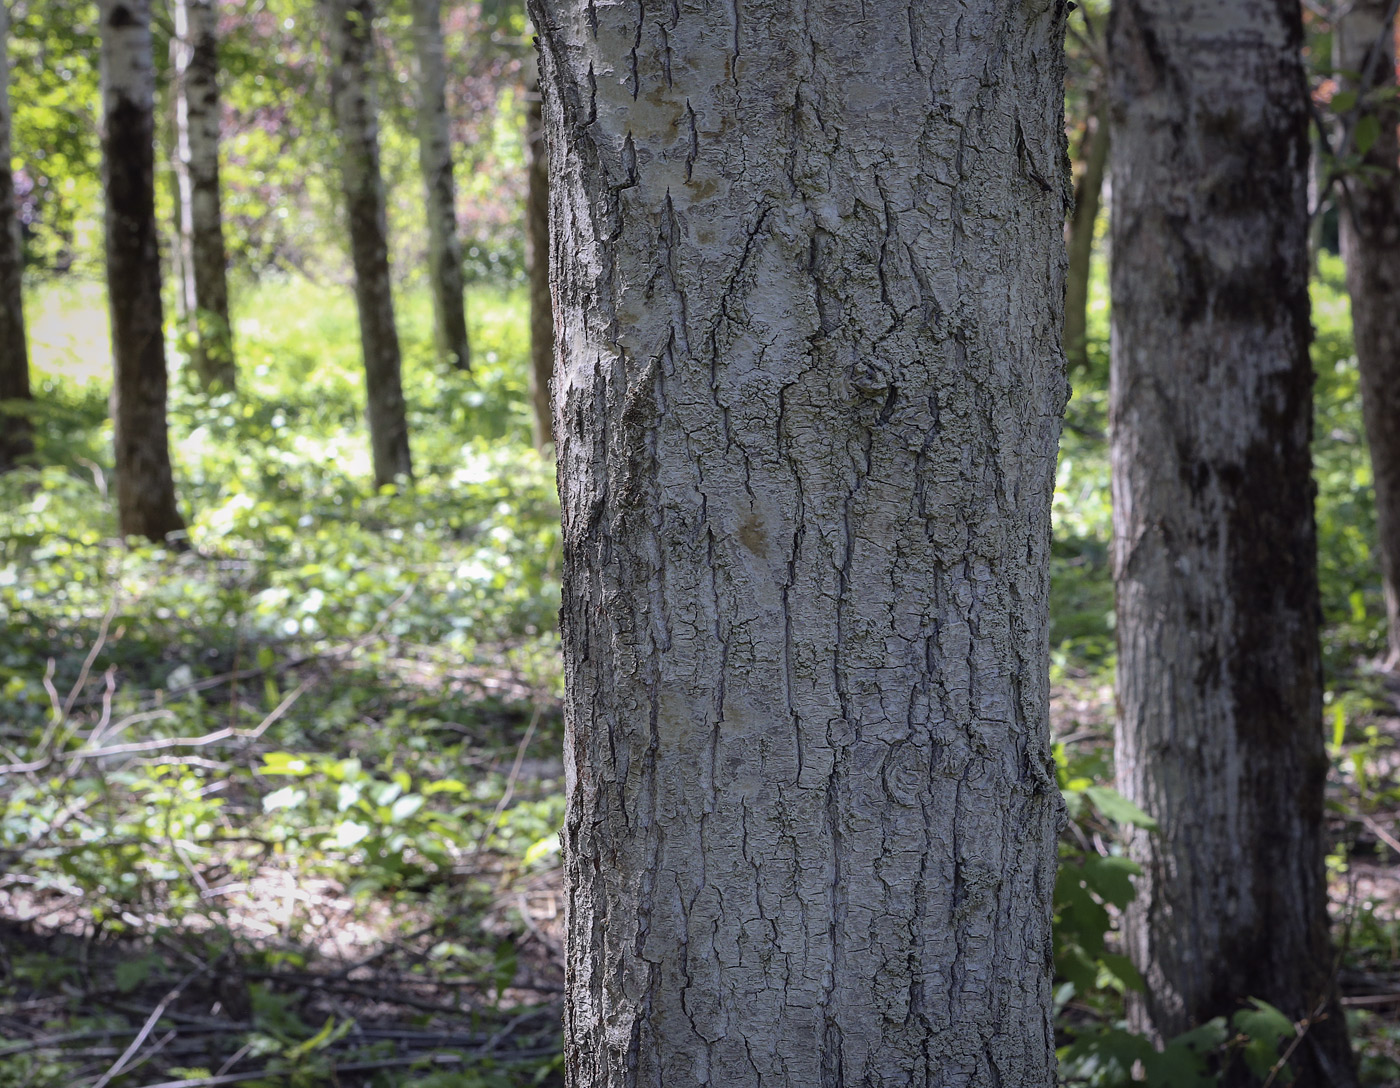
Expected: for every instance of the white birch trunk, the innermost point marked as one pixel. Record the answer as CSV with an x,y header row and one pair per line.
x,y
1219,684
203,257
435,162
808,392
15,425
351,34
145,483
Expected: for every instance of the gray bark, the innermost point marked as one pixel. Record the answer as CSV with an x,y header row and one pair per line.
x,y
16,438
537,254
435,162
1370,236
809,285
203,257
351,24
1079,232
1219,685
145,484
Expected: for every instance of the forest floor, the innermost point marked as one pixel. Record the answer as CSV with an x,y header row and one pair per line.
x,y
281,809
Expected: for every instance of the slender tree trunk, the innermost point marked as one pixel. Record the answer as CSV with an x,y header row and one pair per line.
x,y
16,436
1370,234
352,48
435,161
1219,684
145,485
203,257
1088,188
810,279
537,256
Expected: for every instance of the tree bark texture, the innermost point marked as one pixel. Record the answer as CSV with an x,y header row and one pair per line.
x,y
1079,233
351,26
1219,684
203,256
809,275
16,436
145,484
537,253
1370,233
435,162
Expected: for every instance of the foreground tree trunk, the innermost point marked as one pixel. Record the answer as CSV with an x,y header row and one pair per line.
x,y
16,434
145,485
807,406
435,162
1370,234
537,257
1219,735
203,256
1079,233
351,24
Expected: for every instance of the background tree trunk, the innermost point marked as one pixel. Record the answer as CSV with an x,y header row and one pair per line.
x,y
145,485
1219,735
810,279
1088,190
1370,235
435,161
16,435
351,24
203,257
537,256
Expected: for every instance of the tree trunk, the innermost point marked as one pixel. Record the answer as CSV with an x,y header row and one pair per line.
x,y
810,278
1088,188
1370,234
352,47
435,161
16,437
537,256
203,257
1219,684
145,485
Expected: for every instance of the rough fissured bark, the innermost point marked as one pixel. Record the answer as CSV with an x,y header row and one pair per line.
x,y
537,257
16,439
1219,685
809,285
435,162
203,256
1370,234
145,485
1079,232
351,24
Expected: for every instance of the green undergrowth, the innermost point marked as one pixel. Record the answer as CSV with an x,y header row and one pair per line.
x,y
360,689
321,687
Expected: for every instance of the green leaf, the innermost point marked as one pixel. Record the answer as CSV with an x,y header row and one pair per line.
x,y
1368,130
1265,1027
1343,101
284,763
1122,969
1112,805
1111,878
542,848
